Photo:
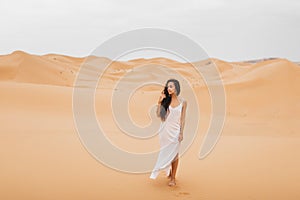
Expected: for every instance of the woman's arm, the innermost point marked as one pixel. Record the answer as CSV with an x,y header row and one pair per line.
x,y
182,120
161,97
158,110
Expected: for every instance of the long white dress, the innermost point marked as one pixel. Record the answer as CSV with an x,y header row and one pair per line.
x,y
168,137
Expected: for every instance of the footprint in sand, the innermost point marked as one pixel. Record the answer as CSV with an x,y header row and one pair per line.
x,y
181,194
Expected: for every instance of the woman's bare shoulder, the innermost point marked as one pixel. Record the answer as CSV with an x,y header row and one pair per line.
x,y
183,100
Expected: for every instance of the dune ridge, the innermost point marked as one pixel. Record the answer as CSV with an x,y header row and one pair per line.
x,y
55,69
264,84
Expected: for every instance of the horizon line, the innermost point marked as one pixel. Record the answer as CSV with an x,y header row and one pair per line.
x,y
254,60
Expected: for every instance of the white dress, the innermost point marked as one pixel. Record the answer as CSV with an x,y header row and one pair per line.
x,y
168,137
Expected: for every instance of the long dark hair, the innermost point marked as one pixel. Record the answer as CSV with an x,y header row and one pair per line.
x,y
167,100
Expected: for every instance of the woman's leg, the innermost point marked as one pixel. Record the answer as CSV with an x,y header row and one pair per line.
x,y
170,174
173,170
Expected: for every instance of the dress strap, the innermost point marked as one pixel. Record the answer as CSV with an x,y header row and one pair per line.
x,y
181,100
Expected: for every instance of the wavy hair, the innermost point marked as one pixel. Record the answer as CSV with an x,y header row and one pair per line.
x,y
167,100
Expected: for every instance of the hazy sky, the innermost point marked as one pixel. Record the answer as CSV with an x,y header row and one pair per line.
x,y
231,30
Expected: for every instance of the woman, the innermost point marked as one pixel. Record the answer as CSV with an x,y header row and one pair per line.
x,y
171,109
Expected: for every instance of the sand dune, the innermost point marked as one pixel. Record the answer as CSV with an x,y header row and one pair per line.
x,y
43,157
49,69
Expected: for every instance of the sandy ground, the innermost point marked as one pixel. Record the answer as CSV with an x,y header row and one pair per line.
x,y
42,155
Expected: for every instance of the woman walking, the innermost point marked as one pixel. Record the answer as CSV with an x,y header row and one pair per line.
x,y
171,109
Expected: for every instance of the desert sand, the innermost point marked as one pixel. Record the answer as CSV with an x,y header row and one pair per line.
x,y
42,156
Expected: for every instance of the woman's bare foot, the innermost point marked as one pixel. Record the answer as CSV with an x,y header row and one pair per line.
x,y
172,182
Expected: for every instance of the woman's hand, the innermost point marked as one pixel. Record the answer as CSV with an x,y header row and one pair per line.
x,y
162,96
180,138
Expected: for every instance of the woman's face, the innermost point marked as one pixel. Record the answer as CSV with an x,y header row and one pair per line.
x,y
171,88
